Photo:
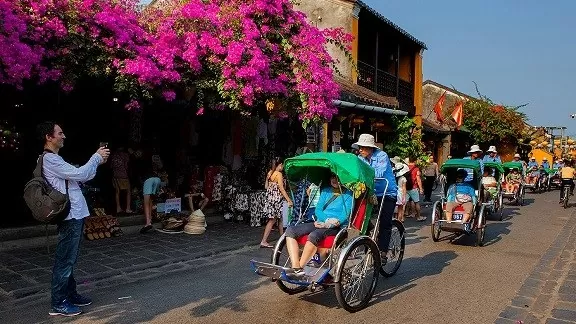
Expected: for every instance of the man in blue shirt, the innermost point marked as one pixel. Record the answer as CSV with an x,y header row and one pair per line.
x,y
545,163
532,163
379,160
559,164
492,155
474,154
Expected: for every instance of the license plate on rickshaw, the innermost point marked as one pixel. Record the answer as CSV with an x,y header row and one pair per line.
x,y
457,217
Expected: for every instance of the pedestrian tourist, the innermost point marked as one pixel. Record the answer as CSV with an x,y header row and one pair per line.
x,y
385,187
119,162
415,190
431,173
63,176
400,171
275,196
150,189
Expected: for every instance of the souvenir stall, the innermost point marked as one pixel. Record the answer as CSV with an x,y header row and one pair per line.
x,y
344,130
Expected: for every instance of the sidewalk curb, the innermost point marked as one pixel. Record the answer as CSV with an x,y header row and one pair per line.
x,y
40,293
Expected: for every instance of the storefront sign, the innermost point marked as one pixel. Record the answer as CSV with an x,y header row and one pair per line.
x,y
311,135
336,137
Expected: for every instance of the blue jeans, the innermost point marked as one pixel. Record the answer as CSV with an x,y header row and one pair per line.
x,y
385,230
67,250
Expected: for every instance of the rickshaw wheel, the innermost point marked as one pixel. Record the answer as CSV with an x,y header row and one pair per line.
x,y
435,226
280,257
395,250
354,271
481,231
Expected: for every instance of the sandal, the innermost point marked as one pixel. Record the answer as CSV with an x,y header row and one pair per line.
x,y
421,219
266,246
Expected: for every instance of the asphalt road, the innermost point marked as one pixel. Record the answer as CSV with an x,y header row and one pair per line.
x,y
439,282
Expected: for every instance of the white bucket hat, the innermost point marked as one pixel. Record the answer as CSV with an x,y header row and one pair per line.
x,y
401,169
396,160
365,140
492,149
517,155
475,149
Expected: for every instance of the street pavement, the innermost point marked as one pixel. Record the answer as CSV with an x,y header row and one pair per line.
x,y
526,273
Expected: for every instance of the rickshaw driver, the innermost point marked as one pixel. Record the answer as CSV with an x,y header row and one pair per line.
x,y
379,160
462,194
332,209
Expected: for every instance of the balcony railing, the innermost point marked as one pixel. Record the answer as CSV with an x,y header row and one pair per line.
x,y
384,83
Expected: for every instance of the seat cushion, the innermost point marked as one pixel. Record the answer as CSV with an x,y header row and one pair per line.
x,y
327,242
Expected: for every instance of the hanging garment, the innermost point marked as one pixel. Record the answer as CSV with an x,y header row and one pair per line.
x,y
262,133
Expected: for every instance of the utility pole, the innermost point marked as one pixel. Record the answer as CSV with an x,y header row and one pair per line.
x,y
551,130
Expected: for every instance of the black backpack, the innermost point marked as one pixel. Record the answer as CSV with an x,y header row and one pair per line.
x,y
47,204
409,182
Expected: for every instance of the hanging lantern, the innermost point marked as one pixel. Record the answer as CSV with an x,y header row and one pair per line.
x,y
533,143
556,142
545,143
270,105
570,141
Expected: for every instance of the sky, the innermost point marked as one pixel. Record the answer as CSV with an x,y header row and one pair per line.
x,y
517,51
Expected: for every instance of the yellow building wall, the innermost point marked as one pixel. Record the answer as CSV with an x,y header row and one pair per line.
x,y
540,154
354,50
418,89
405,71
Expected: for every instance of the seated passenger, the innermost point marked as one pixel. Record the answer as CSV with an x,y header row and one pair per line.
x,y
460,194
332,210
513,180
489,183
533,175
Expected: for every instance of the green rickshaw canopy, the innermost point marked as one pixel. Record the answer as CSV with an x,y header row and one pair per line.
x,y
461,164
348,167
513,165
551,171
494,165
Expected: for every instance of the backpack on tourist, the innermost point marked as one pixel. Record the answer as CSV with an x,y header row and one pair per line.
x,y
409,182
47,204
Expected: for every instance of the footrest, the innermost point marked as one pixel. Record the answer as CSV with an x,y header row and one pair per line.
x,y
277,272
454,226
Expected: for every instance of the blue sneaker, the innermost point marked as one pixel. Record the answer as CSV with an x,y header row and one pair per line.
x,y
65,308
78,300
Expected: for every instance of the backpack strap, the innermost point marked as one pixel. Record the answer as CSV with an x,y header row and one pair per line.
x,y
330,201
38,172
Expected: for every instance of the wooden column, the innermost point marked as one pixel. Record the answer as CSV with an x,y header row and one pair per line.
x,y
418,88
354,50
376,63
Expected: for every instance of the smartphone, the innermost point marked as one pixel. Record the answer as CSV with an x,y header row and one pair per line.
x,y
104,144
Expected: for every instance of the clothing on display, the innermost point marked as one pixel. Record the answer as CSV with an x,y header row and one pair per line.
x,y
257,203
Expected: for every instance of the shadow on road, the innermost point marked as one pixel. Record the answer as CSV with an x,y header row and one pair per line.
x,y
411,270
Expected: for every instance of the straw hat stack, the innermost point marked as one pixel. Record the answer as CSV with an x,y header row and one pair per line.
x,y
196,223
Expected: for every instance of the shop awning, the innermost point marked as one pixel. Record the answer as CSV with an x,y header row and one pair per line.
x,y
376,109
357,97
352,92
432,127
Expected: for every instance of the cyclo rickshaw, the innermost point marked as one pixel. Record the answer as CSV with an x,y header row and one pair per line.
x,y
494,199
478,217
539,185
518,195
554,179
354,257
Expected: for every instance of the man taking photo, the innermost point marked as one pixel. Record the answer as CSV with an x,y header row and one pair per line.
x,y
63,177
